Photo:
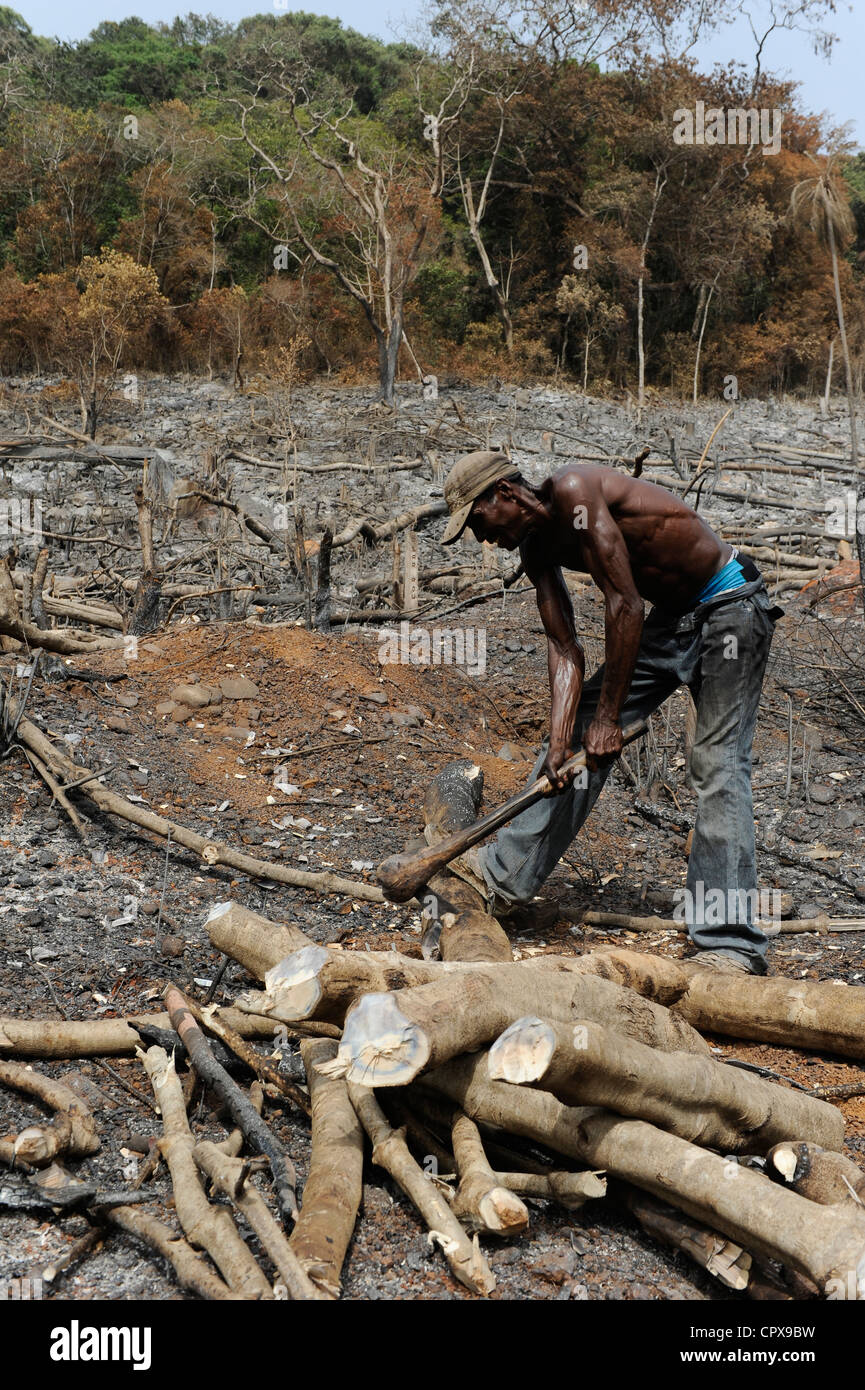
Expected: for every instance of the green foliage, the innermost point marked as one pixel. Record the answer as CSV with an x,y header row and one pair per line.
x,y
441,291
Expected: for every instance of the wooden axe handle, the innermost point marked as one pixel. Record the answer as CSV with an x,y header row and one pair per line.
x,y
402,875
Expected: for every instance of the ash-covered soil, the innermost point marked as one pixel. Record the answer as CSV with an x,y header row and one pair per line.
x,y
322,762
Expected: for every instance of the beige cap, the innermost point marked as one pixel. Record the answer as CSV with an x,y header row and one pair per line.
x,y
470,476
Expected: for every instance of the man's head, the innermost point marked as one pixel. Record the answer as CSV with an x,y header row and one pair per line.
x,y
486,492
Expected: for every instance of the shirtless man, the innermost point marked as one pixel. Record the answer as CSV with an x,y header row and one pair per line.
x,y
710,628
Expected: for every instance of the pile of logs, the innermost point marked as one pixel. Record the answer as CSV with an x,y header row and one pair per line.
x,y
483,1084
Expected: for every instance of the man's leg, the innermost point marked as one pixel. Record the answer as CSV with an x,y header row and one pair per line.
x,y
525,852
722,869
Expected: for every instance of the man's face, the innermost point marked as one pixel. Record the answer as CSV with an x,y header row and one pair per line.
x,y
498,518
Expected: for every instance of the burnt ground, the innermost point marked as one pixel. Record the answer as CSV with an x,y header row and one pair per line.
x,y
82,932
98,931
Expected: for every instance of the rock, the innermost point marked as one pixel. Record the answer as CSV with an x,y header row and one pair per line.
x,y
46,858
376,697
165,707
126,701
51,823
180,713
510,753
172,946
238,688
193,696
401,720
232,734
512,645
120,726
845,818
823,793
139,776
555,1267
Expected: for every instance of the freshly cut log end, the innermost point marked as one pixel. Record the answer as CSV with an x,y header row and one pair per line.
x,y
818,1173
502,1212
293,983
380,1046
523,1052
481,1200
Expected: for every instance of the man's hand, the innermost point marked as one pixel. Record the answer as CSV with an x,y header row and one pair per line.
x,y
602,742
556,755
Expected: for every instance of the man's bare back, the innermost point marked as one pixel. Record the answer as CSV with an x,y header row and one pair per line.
x,y
672,553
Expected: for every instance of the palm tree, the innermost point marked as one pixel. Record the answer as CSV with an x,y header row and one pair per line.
x,y
820,204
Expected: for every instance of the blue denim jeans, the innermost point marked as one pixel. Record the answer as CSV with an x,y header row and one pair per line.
x,y
719,650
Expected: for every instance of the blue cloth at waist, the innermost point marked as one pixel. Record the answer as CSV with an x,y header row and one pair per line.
x,y
732,576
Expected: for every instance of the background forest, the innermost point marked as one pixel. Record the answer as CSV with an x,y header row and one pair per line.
x,y
502,196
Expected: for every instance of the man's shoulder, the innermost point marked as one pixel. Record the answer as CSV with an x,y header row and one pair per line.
x,y
579,475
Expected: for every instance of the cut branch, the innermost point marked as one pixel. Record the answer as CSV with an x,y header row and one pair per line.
x,y
209,1227
698,1098
238,1104
390,1151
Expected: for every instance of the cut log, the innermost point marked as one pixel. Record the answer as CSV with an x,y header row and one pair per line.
x,y
101,1037
470,933
820,924
390,1038
334,1187
256,943
481,1201
820,1176
825,1243
474,936
818,1015
322,984
390,1151
698,1098
319,982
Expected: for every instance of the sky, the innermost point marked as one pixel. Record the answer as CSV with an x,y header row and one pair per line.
x,y
834,87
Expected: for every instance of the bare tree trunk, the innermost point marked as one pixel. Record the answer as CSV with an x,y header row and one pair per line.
x,y
828,390
641,353
851,405
473,220
707,302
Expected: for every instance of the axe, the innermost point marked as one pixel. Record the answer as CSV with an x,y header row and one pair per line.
x,y
403,875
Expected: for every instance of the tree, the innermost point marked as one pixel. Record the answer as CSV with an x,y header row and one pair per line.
x,y
360,206
121,300
595,310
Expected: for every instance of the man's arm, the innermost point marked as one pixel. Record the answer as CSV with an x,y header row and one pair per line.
x,y
565,662
606,558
